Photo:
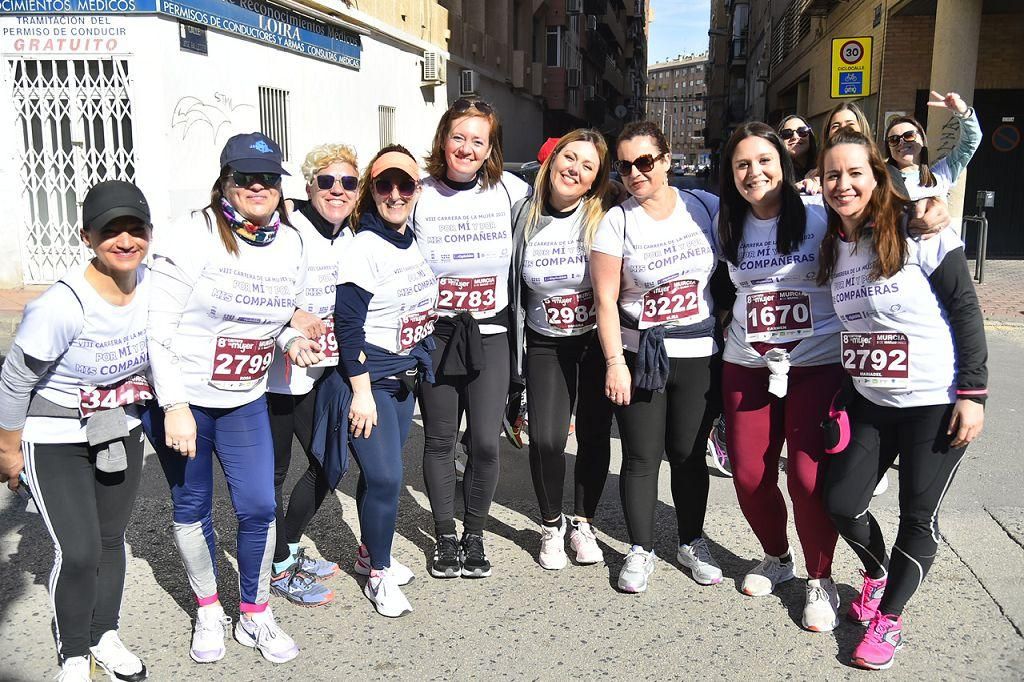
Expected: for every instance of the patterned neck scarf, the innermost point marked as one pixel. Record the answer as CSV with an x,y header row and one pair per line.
x,y
254,234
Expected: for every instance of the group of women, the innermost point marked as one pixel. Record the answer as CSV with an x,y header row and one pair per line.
x,y
261,319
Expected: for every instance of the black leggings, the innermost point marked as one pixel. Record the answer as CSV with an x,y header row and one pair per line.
x,y
482,395
676,423
927,467
293,414
563,372
86,512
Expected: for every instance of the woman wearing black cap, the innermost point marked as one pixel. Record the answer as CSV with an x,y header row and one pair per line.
x,y
70,429
226,282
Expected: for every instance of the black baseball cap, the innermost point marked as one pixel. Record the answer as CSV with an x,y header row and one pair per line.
x,y
252,153
113,199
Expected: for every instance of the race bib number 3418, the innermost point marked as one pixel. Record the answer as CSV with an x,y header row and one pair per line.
x,y
240,364
134,389
880,359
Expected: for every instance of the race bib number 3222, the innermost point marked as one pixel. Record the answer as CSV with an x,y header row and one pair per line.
x,y
671,301
240,364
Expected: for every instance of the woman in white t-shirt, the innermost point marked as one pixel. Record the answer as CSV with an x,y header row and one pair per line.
x,y
553,301
651,262
227,280
70,430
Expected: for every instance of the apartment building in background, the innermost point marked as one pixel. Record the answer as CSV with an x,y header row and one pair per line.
x,y
676,100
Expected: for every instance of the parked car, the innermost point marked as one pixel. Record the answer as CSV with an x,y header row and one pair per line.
x,y
527,170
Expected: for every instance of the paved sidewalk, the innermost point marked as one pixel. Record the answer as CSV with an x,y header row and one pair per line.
x,y
1002,293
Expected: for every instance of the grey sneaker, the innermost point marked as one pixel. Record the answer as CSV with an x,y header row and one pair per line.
x,y
697,557
763,578
300,587
636,570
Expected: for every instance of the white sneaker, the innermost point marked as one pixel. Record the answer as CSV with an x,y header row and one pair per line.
x,y
401,573
387,597
75,669
763,578
636,570
584,543
208,635
552,547
883,485
697,557
115,659
821,608
261,632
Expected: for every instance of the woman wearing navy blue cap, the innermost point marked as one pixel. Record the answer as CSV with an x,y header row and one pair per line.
x,y
226,282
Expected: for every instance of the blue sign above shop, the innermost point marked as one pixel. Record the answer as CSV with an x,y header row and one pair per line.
x,y
253,19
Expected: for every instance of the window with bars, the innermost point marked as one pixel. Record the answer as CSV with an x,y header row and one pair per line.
x,y
386,125
274,116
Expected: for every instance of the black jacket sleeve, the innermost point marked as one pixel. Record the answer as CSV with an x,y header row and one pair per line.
x,y
350,305
952,284
723,291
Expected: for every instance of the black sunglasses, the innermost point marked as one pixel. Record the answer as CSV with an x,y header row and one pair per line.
x,y
894,140
406,188
348,182
802,131
248,179
462,104
644,164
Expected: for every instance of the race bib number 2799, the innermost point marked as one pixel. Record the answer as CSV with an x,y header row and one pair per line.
x,y
240,364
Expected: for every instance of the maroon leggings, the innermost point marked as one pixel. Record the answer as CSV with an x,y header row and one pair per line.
x,y
756,425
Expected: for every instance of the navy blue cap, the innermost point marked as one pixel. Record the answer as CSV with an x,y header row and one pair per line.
x,y
252,153
107,201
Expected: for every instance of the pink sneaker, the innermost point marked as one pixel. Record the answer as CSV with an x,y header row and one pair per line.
x,y
864,609
878,648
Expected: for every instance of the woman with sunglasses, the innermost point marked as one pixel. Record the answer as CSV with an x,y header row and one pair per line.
x,y
651,262
70,429
463,226
322,222
226,282
781,365
908,149
914,347
798,136
384,317
553,299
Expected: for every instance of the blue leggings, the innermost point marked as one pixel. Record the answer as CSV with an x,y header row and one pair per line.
x,y
380,461
241,437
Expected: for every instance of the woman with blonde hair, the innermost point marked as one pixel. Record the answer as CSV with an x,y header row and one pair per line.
x,y
553,300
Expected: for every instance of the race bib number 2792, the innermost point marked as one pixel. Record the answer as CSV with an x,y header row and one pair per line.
x,y
880,359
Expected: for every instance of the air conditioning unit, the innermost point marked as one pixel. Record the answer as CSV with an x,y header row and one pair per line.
x,y
433,68
589,92
469,82
573,78
574,6
591,22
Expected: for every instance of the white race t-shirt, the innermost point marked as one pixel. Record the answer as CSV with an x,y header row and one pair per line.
x,y
223,344
401,311
666,265
898,344
559,297
778,299
95,344
323,257
466,238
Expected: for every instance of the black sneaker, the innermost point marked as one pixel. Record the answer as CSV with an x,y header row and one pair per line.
x,y
474,559
446,563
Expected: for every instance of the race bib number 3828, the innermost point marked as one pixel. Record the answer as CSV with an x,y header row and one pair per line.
x,y
880,359
240,364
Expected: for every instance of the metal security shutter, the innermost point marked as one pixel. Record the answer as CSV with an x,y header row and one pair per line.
x,y
386,123
274,116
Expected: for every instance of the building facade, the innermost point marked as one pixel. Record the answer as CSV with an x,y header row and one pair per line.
x,y
676,99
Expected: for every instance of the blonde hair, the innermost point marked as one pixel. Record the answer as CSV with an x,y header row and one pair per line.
x,y
596,201
323,155
494,165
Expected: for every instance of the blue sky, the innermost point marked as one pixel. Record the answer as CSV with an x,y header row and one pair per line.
x,y
679,27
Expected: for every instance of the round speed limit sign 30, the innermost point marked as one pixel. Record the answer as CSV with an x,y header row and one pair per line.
x,y
851,52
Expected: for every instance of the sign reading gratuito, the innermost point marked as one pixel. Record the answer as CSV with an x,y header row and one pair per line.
x,y
134,389
467,294
240,364
668,302
774,315
328,344
877,358
413,328
572,311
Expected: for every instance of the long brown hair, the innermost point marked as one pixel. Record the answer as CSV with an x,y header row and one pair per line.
x,y
596,201
862,120
364,197
882,219
494,165
213,215
924,173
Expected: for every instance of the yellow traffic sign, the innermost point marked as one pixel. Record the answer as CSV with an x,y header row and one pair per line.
x,y
851,67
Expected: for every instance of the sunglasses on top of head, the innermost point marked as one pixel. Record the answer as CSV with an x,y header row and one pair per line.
x,y
802,131
462,104
248,179
406,188
644,164
348,182
894,140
